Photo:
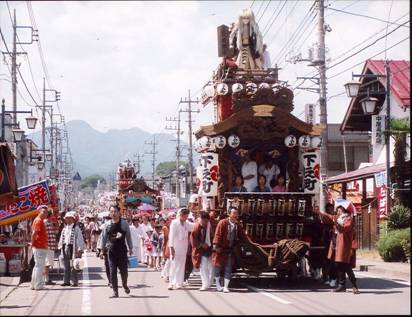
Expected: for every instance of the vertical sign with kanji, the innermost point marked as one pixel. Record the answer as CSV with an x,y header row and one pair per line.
x,y
378,126
310,113
210,170
380,181
311,172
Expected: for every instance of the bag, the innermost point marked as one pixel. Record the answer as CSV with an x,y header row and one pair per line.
x,y
78,264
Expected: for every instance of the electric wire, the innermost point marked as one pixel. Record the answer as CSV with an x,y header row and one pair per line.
x,y
270,19
264,11
273,21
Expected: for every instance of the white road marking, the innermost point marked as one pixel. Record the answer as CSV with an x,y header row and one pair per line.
x,y
274,297
384,278
86,304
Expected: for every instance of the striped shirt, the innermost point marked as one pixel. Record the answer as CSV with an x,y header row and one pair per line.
x,y
51,234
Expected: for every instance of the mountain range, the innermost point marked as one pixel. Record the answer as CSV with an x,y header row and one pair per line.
x,y
96,152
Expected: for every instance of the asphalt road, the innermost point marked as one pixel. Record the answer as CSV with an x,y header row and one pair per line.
x,y
262,296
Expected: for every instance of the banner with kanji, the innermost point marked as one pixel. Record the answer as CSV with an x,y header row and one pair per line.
x,y
209,172
30,197
381,194
311,172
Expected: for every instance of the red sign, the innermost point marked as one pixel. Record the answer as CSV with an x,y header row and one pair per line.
x,y
381,198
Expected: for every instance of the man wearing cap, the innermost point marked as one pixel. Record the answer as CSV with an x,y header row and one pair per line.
x,y
71,244
39,244
178,245
166,251
114,237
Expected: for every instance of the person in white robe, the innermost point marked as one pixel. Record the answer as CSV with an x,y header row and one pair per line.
x,y
178,244
138,235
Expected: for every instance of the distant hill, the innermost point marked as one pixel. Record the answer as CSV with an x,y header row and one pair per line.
x,y
96,152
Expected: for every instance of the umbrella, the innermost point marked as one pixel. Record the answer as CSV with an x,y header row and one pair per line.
x,y
348,205
146,207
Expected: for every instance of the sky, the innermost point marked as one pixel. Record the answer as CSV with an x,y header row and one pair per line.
x,y
127,64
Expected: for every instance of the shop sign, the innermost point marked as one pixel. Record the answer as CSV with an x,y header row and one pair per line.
x,y
209,173
378,127
311,172
381,194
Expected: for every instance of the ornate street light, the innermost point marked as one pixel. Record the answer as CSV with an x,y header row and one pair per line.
x,y
352,88
31,122
369,104
40,165
18,134
49,156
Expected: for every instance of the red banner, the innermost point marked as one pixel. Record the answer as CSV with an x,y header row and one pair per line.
x,y
381,198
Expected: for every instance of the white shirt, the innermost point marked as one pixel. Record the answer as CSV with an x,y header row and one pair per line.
x,y
137,233
179,235
67,233
250,168
270,173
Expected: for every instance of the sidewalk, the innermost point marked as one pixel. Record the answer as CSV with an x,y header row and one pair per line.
x,y
395,270
7,284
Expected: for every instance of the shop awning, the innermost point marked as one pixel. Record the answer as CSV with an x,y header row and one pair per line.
x,y
361,173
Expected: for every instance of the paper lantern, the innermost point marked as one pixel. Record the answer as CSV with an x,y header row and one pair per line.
x,y
205,143
290,141
222,89
209,90
219,141
251,88
304,141
264,86
233,141
316,142
237,88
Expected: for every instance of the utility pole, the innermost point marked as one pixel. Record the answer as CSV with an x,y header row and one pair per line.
x,y
14,68
153,152
138,161
189,110
323,119
178,132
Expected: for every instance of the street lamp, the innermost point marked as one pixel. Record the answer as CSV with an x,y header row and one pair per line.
x,y
18,134
369,104
352,88
49,156
40,165
31,122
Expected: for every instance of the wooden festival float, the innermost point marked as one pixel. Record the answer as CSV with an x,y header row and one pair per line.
x,y
254,116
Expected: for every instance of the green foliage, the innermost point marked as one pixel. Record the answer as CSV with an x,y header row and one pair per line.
x,y
400,125
390,245
399,217
92,181
165,168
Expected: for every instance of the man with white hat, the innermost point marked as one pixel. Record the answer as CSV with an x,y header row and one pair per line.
x,y
71,244
166,251
178,244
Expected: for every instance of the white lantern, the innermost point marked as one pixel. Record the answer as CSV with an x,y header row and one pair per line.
x,y
237,88
304,141
209,90
233,141
290,140
316,142
264,86
219,141
196,146
251,88
205,143
222,89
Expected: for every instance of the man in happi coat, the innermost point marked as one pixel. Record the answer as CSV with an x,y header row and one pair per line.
x,y
178,245
228,233
201,239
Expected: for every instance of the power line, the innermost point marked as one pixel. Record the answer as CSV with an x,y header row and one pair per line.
x,y
349,5
273,21
264,11
260,7
270,19
365,16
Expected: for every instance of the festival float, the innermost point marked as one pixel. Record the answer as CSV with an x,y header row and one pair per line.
x,y
254,117
134,195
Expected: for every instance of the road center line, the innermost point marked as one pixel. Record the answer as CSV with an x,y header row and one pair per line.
x,y
274,297
384,278
86,305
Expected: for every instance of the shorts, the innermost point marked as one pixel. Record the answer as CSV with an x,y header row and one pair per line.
x,y
50,258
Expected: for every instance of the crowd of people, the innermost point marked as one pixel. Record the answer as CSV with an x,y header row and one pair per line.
x,y
175,244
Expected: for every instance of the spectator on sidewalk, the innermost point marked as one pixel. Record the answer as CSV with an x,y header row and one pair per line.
x,y
52,229
71,244
40,247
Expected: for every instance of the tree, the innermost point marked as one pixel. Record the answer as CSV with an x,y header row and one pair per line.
x,y
91,181
398,130
166,168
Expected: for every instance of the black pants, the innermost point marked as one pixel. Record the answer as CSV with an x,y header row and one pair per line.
x,y
107,267
329,270
118,260
188,267
343,269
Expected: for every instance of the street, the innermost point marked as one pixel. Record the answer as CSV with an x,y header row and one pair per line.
x,y
263,296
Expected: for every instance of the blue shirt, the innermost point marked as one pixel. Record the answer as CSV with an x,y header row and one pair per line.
x,y
264,190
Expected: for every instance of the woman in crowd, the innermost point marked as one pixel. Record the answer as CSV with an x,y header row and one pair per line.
x,y
280,185
261,187
239,188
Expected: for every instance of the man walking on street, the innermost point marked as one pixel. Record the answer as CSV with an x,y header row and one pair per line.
x,y
115,236
166,250
103,250
228,233
51,228
178,244
39,245
202,249
72,244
